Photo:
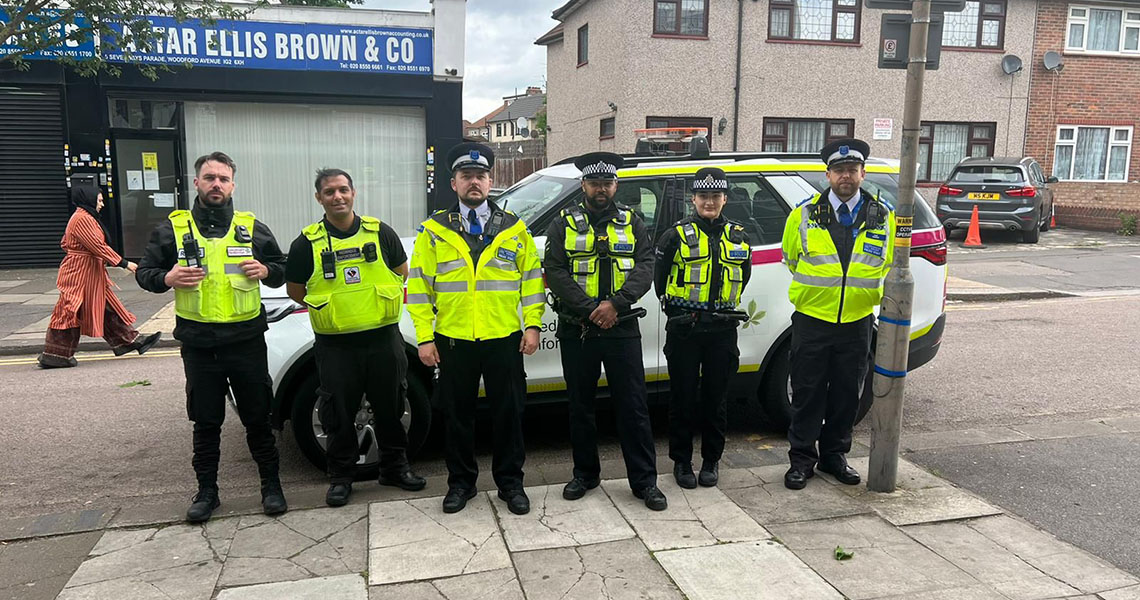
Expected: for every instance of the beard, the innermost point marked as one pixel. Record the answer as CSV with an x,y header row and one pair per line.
x,y
598,201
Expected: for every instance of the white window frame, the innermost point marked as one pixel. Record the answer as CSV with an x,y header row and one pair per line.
x,y
1112,143
1126,23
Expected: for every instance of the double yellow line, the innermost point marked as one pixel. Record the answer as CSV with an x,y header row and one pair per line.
x,y
86,357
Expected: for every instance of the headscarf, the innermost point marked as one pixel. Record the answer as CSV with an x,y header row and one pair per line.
x,y
86,197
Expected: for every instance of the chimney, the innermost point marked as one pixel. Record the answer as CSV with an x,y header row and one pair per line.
x,y
533,91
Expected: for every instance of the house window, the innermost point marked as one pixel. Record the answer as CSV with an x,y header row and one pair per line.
x,y
980,25
943,145
681,17
804,135
498,129
814,20
583,45
606,129
1106,30
1092,153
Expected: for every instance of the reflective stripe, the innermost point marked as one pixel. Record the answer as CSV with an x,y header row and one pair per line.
x,y
419,299
532,274
694,274
496,286
581,280
449,266
823,259
450,286
502,264
865,283
620,236
582,266
234,269
695,293
579,241
415,273
803,232
534,299
817,281
867,259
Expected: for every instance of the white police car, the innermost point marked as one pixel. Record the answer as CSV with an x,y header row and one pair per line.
x,y
764,187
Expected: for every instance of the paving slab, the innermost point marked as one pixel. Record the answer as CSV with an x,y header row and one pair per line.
x,y
912,442
699,517
1129,593
186,582
853,533
342,587
38,569
757,570
731,479
1070,429
412,540
927,505
1124,424
774,503
554,522
977,592
908,476
988,562
1053,557
500,584
617,570
151,556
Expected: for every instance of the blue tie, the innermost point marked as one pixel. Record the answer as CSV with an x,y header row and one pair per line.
x,y
473,226
845,218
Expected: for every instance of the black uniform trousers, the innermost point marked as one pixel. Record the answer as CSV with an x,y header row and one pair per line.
x,y
829,363
499,362
581,364
701,364
241,366
373,366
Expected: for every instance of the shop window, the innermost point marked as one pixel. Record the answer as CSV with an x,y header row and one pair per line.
x,y
143,114
1103,30
804,135
980,25
814,20
943,145
1092,153
688,18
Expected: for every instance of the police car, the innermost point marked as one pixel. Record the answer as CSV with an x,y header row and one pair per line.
x,y
764,187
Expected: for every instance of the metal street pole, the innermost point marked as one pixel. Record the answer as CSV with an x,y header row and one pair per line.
x,y
893,345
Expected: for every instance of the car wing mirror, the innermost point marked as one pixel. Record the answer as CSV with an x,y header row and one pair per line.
x,y
1051,179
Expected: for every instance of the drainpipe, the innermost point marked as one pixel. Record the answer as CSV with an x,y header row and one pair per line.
x,y
736,89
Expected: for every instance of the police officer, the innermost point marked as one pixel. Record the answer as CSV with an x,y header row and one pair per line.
x,y
349,271
599,262
838,246
703,264
215,258
473,265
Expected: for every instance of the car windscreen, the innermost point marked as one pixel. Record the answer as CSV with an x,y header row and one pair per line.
x,y
529,198
886,186
987,174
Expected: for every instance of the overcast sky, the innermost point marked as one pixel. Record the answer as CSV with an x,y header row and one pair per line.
x,y
501,55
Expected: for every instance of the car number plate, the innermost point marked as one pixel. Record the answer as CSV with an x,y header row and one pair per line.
x,y
982,196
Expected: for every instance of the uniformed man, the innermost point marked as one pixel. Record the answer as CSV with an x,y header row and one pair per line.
x,y
702,267
599,262
473,265
349,271
215,258
838,246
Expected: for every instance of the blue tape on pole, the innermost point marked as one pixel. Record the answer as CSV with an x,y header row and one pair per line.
x,y
889,373
900,323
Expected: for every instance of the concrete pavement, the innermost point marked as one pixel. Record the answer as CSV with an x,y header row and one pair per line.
x,y
749,538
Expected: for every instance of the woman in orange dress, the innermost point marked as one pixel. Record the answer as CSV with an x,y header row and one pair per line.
x,y
86,304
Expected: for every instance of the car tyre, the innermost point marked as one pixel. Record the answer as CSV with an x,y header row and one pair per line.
x,y
418,414
1047,223
775,391
1030,236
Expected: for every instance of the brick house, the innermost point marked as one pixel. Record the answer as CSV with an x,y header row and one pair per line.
x,y
1083,116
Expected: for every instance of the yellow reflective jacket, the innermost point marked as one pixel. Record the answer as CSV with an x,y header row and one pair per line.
x,y
691,275
450,294
226,295
585,249
821,288
362,292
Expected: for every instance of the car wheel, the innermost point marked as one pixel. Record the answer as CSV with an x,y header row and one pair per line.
x,y
1048,222
776,391
310,435
1030,236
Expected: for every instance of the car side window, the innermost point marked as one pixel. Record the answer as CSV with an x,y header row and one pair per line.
x,y
642,196
754,205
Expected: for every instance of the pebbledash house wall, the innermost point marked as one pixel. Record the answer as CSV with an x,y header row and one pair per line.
x,y
1089,90
653,75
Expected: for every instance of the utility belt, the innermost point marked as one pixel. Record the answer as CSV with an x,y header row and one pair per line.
x,y
589,326
704,317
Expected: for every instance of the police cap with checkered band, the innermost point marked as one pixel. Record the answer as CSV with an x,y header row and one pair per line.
x,y
599,165
709,179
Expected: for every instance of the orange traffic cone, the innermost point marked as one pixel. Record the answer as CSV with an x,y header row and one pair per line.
x,y
1052,220
973,236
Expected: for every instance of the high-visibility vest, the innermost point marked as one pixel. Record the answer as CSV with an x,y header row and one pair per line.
x,y
820,287
586,250
226,295
452,294
691,276
363,293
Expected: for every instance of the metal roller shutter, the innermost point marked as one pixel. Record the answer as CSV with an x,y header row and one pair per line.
x,y
33,186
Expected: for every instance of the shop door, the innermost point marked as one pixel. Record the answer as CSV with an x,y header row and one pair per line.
x,y
147,184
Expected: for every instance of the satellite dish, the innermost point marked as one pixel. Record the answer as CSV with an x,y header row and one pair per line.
x,y
1053,61
1010,64
520,122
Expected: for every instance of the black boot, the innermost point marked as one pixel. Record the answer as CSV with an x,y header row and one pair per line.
x,y
272,498
683,474
203,505
51,361
142,344
710,473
